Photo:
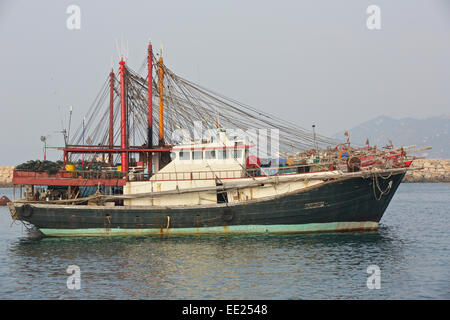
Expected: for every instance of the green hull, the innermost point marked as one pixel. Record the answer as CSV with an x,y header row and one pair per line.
x,y
300,228
350,204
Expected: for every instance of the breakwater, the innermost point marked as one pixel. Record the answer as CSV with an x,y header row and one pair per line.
x,y
434,170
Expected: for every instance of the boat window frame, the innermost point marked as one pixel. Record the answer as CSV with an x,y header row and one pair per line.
x,y
182,157
209,152
197,152
221,152
236,154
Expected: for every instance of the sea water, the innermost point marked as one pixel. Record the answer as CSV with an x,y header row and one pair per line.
x,y
407,258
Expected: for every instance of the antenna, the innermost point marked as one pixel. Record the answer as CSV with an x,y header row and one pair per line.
x,y
60,117
122,54
126,59
314,133
161,47
70,121
121,45
84,127
63,130
44,140
117,48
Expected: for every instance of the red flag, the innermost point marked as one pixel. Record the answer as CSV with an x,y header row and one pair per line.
x,y
367,142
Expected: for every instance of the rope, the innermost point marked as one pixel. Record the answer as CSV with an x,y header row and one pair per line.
x,y
375,182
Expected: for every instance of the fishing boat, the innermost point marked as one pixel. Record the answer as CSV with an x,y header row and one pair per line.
x,y
231,177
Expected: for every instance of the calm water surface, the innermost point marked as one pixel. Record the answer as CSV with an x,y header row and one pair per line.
x,y
411,248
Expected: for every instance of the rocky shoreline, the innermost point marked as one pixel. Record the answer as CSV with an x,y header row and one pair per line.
x,y
434,170
6,174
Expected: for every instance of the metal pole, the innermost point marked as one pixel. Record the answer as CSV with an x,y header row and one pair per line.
x,y
150,108
111,115
123,125
161,111
314,132
82,156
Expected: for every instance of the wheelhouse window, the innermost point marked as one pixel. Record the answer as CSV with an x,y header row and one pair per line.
x,y
236,154
197,155
222,153
210,154
185,155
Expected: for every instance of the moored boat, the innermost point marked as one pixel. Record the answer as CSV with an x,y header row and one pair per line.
x,y
344,204
213,183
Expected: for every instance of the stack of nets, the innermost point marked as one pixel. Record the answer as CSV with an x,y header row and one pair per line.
x,y
41,166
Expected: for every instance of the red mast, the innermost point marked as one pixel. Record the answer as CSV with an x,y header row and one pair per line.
x,y
161,95
150,108
123,123
111,115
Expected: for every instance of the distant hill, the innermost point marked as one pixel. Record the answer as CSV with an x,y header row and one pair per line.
x,y
433,132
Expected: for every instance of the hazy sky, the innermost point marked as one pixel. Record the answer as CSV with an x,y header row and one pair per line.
x,y
309,61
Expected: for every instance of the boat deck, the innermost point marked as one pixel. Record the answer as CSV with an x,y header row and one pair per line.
x,y
67,178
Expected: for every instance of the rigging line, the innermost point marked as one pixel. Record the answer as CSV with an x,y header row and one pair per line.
x,y
179,89
93,106
186,95
318,137
212,117
266,122
308,135
244,105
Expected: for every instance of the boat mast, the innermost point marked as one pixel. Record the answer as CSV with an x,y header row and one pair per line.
x,y
161,116
123,124
150,107
111,115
